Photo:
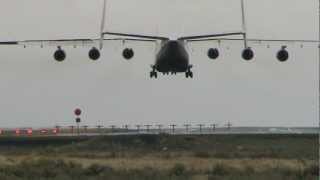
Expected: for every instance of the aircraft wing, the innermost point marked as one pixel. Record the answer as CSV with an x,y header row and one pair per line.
x,y
255,41
248,53
68,42
137,36
201,37
221,37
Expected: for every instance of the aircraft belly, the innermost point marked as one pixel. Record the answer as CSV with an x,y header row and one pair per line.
x,y
173,60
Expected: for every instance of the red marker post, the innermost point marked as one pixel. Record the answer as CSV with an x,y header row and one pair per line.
x,y
78,112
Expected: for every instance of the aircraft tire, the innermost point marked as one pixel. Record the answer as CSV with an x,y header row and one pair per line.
x,y
191,74
153,74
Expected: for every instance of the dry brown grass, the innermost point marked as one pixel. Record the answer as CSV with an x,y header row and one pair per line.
x,y
161,157
191,163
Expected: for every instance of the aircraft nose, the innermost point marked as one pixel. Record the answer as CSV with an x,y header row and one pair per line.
x,y
173,44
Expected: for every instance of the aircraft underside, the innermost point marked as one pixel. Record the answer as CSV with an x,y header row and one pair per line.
x,y
172,59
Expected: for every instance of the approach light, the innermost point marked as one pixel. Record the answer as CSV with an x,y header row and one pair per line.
x,y
17,131
128,53
94,54
283,54
59,55
213,53
29,131
247,54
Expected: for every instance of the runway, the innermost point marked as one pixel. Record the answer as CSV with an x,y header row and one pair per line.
x,y
178,131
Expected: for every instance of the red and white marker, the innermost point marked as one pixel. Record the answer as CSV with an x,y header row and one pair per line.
x,y
77,112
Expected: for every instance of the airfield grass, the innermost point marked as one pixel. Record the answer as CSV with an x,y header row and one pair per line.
x,y
144,157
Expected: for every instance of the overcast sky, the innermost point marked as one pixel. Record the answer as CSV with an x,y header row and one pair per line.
x,y
37,91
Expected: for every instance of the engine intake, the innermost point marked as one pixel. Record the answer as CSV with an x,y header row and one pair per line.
x,y
128,53
60,55
94,54
247,54
213,53
283,54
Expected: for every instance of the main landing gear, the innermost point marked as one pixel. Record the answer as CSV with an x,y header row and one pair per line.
x,y
153,73
189,73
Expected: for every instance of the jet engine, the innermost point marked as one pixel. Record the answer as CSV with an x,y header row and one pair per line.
x,y
247,54
213,53
283,54
128,53
94,54
60,55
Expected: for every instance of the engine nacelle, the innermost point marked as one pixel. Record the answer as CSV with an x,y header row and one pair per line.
x,y
283,54
247,54
94,54
128,53
213,53
59,55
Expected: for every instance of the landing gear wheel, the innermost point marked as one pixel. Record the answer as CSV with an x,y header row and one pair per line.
x,y
153,74
189,74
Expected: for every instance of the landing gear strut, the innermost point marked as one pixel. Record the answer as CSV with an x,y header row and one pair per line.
x,y
153,73
189,73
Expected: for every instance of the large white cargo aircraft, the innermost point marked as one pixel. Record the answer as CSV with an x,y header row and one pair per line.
x,y
172,55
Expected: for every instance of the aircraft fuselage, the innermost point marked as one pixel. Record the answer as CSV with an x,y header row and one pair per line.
x,y
172,57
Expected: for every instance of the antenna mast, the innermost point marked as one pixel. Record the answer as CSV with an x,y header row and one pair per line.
x,y
319,79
